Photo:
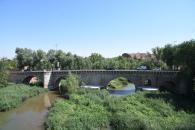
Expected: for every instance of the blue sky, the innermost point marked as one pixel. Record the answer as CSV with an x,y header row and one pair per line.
x,y
108,27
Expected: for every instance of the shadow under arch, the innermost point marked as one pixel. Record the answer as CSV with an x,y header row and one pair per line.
x,y
57,83
148,82
168,86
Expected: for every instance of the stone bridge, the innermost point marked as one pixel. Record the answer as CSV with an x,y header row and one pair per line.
x,y
51,79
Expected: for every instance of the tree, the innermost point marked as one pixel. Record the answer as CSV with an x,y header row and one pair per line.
x,y
40,61
186,55
79,62
11,64
158,53
51,57
3,74
169,54
97,61
24,57
111,64
68,62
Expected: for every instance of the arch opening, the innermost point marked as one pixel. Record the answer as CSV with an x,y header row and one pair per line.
x,y
57,83
148,82
32,81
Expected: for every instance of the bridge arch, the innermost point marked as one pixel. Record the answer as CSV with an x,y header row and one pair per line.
x,y
32,79
100,77
57,82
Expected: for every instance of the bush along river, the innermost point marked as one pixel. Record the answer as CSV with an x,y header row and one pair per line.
x,y
120,86
30,115
129,89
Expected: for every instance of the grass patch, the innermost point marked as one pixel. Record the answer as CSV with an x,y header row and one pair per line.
x,y
15,94
96,109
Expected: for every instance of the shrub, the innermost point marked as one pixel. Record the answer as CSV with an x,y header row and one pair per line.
x,y
95,109
3,74
69,85
66,115
126,121
118,83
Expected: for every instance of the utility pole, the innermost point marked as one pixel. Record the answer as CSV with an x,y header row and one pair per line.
x,y
58,63
56,45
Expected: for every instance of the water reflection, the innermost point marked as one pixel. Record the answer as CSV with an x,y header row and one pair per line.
x,y
30,115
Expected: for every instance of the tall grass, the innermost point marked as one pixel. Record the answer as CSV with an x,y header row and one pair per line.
x,y
14,94
96,109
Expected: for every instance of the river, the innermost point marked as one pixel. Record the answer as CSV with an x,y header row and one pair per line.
x,y
30,115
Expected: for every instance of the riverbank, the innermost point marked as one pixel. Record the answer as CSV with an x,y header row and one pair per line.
x,y
14,94
30,115
96,109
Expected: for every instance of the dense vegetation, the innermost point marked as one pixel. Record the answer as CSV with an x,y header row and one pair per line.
x,y
168,57
118,83
96,109
53,59
69,85
182,57
15,94
177,56
3,74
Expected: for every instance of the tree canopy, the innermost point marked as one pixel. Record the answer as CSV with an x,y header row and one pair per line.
x,y
53,59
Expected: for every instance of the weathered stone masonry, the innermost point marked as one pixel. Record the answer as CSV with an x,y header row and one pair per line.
x,y
51,79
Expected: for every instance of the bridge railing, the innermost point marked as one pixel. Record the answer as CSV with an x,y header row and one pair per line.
x,y
151,71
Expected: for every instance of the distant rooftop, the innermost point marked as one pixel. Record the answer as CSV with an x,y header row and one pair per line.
x,y
138,55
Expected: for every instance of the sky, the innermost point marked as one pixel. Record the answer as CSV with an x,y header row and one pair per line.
x,y
108,27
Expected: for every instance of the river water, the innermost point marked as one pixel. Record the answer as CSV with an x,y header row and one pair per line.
x,y
30,115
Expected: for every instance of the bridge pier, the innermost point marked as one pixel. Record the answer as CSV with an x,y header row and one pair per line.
x,y
46,78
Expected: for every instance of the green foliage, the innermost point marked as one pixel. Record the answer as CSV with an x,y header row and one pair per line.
x,y
117,83
169,54
126,121
53,59
3,74
24,57
186,55
69,85
15,94
96,109
80,113
181,56
9,64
